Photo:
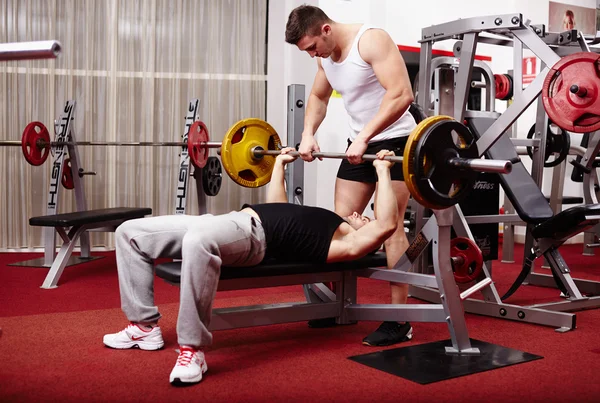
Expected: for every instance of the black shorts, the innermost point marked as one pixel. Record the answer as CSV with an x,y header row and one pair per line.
x,y
365,172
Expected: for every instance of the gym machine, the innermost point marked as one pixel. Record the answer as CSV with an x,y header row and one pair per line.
x,y
490,128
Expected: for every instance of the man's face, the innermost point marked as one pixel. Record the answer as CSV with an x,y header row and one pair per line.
x,y
357,221
320,45
568,23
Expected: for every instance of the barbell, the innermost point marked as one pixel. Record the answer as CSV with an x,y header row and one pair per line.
x,y
36,143
440,160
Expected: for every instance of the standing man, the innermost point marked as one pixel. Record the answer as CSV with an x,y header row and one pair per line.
x,y
363,64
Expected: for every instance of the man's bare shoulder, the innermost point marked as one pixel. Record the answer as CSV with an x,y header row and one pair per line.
x,y
373,42
376,37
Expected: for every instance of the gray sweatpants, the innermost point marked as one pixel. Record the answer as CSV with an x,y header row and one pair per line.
x,y
203,243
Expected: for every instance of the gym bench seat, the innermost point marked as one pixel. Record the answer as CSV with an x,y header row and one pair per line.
x,y
320,302
79,222
171,272
89,217
568,223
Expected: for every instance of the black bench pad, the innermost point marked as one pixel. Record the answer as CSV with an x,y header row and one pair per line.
x,y
89,217
567,223
171,271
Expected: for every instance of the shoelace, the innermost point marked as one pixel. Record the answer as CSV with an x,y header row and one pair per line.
x,y
389,328
185,357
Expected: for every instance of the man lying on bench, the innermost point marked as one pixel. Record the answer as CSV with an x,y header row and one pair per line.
x,y
277,229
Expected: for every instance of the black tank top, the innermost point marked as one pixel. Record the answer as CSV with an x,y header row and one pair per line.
x,y
296,233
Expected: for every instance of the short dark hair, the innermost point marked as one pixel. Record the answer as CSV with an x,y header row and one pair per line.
x,y
304,20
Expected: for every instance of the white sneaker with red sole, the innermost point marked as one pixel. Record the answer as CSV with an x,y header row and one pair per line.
x,y
134,336
189,367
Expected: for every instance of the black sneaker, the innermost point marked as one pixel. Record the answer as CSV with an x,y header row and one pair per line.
x,y
389,333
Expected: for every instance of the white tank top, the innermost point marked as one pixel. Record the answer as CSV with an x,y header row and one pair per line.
x,y
355,80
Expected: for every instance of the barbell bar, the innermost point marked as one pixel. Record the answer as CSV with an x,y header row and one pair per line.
x,y
35,143
29,50
36,135
480,165
43,144
440,162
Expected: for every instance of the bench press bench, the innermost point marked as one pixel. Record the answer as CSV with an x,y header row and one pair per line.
x,y
322,304
70,226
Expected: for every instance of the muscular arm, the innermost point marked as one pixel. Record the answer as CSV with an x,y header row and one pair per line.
x,y
359,243
276,191
378,49
316,107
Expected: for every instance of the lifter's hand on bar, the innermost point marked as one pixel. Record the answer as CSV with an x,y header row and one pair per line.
x,y
308,145
288,154
381,162
356,150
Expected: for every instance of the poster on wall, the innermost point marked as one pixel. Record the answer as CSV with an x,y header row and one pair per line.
x,y
563,17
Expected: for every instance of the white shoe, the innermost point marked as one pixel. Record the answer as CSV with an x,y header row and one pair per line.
x,y
134,336
189,367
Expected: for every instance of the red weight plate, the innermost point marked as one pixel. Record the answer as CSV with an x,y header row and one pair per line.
x,y
501,83
67,175
35,143
471,264
198,135
510,91
571,93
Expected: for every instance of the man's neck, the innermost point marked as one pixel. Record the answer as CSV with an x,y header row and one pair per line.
x,y
343,35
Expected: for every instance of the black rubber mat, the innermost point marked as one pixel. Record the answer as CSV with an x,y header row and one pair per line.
x,y
428,363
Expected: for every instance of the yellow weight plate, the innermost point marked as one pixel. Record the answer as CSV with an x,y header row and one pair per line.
x,y
409,155
240,163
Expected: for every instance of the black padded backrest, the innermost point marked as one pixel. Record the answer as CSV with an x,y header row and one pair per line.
x,y
90,216
172,271
520,188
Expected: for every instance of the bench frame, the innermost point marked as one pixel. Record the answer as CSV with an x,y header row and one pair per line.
x,y
69,240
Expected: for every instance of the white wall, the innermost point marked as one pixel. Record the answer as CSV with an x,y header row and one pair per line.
x,y
285,66
404,21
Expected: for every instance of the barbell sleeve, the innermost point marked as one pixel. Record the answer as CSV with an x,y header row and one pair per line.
x,y
29,50
481,165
